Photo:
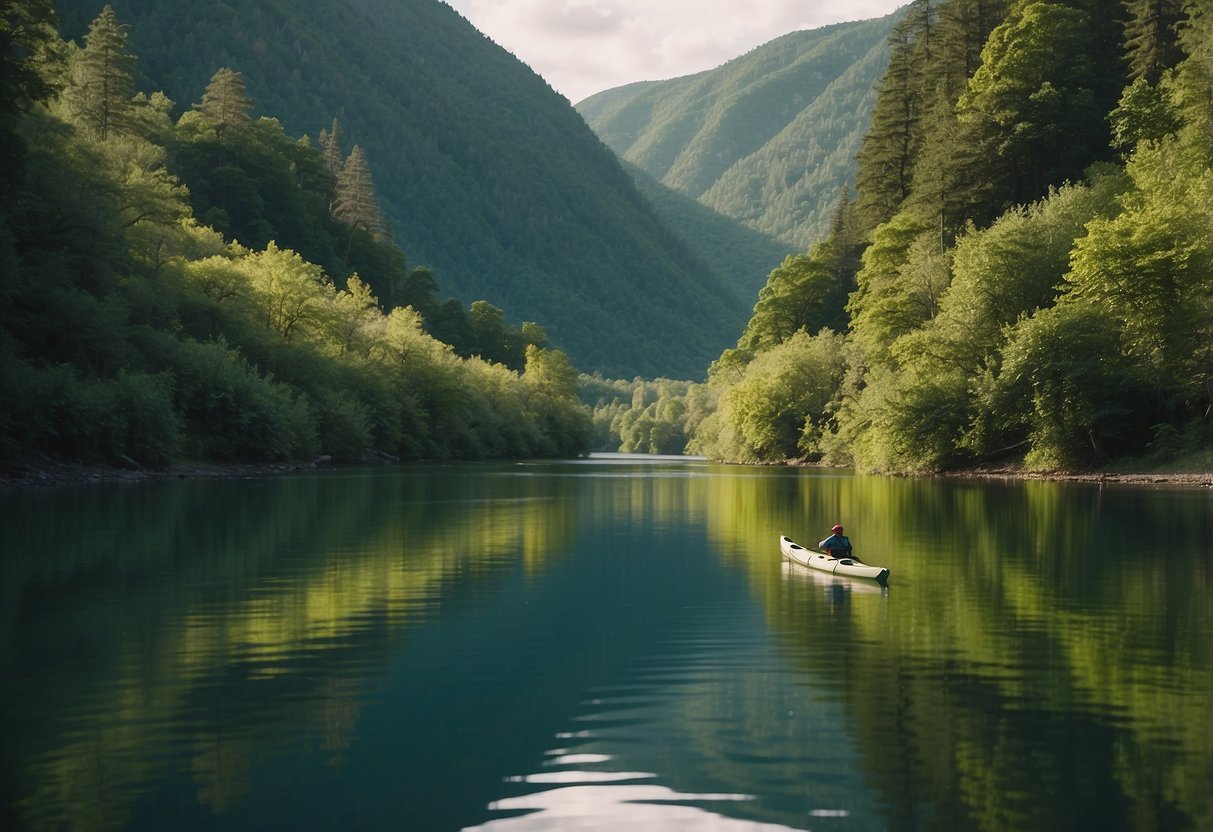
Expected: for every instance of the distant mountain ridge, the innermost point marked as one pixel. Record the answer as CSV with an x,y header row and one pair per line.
x,y
485,173
769,138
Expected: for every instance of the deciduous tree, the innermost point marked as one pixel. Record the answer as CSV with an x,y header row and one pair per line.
x,y
1033,103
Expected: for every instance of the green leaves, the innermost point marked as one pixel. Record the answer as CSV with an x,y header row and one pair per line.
x,y
804,292
130,331
1033,102
1022,303
1151,265
1065,381
778,409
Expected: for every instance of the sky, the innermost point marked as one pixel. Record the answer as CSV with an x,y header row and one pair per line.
x,y
585,46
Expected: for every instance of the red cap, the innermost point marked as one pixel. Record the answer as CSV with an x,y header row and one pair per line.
x,y
837,529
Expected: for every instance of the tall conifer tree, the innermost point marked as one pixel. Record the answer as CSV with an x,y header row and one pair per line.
x,y
330,142
226,104
1152,37
101,84
963,28
355,203
886,159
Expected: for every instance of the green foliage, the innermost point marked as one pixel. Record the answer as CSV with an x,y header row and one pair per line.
x,y
894,138
229,410
803,293
768,139
481,171
1145,113
551,383
999,314
130,334
1152,37
1034,104
779,408
911,420
1015,266
1151,266
894,296
57,411
645,416
100,81
1065,382
742,256
27,34
27,29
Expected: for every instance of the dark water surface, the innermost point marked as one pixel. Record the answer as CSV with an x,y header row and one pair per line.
x,y
604,644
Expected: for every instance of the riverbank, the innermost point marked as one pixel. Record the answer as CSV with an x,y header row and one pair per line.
x,y
1186,479
50,473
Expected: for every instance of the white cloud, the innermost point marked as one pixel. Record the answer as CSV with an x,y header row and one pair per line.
x,y
585,46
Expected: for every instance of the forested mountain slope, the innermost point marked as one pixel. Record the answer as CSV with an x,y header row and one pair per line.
x,y
1025,277
485,173
742,256
769,138
134,333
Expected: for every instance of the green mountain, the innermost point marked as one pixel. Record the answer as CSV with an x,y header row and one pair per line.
x,y
769,138
485,173
742,256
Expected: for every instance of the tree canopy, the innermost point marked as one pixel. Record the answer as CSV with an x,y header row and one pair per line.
x,y
180,290
1038,292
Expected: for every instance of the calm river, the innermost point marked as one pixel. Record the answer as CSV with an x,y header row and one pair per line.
x,y
604,644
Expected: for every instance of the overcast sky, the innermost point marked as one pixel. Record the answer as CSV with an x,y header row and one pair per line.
x,y
585,46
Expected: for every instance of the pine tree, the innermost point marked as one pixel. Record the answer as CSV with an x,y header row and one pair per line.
x,y
1152,37
101,84
963,28
355,203
845,244
886,159
330,142
226,103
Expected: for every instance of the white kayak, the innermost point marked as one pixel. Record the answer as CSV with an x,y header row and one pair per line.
x,y
849,567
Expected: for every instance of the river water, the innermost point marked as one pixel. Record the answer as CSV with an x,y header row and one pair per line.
x,y
604,644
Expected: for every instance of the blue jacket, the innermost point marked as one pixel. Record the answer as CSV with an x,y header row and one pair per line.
x,y
837,544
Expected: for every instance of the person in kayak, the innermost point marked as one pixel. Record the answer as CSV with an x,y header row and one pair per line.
x,y
836,545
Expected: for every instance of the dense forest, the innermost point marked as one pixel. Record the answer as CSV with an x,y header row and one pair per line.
x,y
1025,274
768,139
484,173
211,288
